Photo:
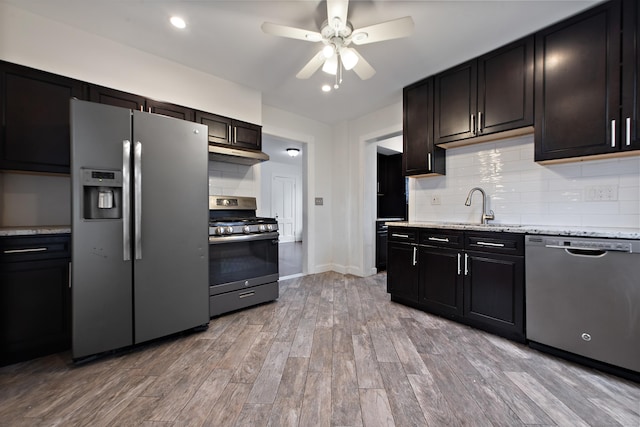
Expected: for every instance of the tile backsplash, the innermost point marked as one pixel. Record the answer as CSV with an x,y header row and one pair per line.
x,y
232,179
593,193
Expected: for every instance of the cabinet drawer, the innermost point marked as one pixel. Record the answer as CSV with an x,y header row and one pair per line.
x,y
402,234
441,238
33,248
501,243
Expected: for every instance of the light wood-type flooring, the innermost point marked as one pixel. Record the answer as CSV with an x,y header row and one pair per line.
x,y
332,351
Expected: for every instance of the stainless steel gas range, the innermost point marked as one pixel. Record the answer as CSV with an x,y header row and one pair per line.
x,y
243,255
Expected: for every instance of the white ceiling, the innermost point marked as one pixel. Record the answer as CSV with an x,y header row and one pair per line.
x,y
224,38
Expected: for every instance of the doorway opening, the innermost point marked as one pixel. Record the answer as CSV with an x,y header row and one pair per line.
x,y
282,195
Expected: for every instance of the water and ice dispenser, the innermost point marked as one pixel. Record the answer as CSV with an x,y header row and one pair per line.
x,y
102,194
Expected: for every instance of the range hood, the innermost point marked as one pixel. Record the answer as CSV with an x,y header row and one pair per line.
x,y
221,153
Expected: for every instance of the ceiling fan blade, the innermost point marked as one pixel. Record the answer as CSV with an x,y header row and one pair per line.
x,y
394,29
363,69
337,9
311,66
291,32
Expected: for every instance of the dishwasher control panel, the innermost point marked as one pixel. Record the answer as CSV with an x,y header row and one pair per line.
x,y
586,244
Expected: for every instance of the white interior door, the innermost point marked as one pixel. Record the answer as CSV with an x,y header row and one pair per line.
x,y
283,206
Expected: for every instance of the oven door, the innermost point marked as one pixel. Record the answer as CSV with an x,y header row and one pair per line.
x,y
242,261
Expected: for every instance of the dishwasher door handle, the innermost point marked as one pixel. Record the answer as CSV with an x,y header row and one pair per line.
x,y
585,250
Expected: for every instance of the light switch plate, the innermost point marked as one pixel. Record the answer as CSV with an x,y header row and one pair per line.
x,y
319,201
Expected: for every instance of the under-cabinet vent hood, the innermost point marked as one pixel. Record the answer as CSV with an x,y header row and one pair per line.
x,y
236,155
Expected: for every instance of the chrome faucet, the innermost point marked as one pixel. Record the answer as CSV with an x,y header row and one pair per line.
x,y
485,216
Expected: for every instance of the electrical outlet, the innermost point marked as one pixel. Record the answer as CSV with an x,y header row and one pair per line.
x,y
601,193
435,199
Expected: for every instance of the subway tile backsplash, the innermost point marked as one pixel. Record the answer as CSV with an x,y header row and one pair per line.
x,y
598,193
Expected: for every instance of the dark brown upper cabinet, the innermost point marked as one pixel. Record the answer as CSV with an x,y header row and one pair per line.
x,y
223,130
420,156
484,96
630,137
105,95
578,85
34,109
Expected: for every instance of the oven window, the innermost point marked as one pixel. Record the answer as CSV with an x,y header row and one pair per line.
x,y
233,261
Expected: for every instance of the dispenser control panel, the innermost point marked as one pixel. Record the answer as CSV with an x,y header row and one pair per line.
x,y
102,178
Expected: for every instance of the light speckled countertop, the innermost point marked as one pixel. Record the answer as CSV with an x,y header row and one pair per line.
x,y
553,230
33,230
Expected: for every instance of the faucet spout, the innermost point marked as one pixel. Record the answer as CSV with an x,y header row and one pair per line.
x,y
485,216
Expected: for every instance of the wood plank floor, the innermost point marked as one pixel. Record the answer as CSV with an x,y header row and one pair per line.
x,y
332,351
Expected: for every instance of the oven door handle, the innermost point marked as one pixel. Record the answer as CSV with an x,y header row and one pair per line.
x,y
214,240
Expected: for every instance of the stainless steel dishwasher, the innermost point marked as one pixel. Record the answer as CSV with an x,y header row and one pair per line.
x,y
583,297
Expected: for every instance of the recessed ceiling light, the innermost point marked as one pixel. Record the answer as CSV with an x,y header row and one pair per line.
x,y
326,88
178,22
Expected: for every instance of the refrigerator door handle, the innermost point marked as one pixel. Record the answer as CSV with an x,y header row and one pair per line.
x,y
126,211
137,198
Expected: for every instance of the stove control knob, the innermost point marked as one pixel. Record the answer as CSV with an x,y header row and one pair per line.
x,y
229,230
269,227
246,229
220,230
262,228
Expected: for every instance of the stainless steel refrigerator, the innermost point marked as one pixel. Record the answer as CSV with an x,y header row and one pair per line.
x,y
139,227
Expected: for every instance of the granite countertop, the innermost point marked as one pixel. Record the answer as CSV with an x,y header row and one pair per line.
x,y
32,230
553,230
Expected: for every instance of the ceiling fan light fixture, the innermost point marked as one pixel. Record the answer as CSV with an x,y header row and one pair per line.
x,y
328,51
349,58
293,152
331,65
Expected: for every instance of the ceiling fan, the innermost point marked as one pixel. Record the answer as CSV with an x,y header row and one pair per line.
x,y
337,34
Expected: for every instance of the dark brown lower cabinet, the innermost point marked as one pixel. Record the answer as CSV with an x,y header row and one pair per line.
x,y
494,293
35,299
440,281
476,278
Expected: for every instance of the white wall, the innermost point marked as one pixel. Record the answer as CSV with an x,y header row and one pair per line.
x,y
524,192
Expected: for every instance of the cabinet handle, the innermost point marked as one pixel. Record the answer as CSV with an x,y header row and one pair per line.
x,y
459,268
403,236
235,135
439,239
142,108
149,109
628,142
466,264
69,275
22,251
495,245
473,124
429,161
230,138
613,133
479,121
415,253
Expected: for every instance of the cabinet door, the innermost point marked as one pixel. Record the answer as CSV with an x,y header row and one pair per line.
x,y
420,156
402,270
171,110
34,309
34,109
505,88
246,135
577,87
494,293
117,98
219,127
441,280
455,103
630,137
